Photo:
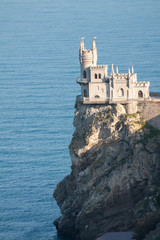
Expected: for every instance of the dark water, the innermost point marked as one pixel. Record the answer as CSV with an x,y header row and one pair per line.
x,y
39,43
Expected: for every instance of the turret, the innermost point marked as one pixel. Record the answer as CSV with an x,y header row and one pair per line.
x,y
87,58
129,72
132,69
81,49
94,52
112,70
116,69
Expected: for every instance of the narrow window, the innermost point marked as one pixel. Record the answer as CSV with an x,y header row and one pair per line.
x,y
84,74
140,94
99,75
95,75
85,93
121,92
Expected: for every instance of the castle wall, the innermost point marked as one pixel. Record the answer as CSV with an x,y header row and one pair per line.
x,y
102,70
120,90
84,90
141,87
98,90
151,112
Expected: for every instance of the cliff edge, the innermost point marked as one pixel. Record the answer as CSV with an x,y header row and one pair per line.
x,y
115,177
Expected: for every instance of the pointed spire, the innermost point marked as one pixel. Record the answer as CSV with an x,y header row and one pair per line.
x,y
129,72
132,69
82,43
116,69
93,43
112,70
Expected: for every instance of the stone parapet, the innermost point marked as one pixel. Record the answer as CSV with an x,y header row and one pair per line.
x,y
141,84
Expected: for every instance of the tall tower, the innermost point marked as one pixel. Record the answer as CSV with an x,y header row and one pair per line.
x,y
87,58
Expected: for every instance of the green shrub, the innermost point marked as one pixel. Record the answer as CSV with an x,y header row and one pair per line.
x,y
131,115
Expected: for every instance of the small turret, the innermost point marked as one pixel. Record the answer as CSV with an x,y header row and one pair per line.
x,y
112,70
81,49
116,69
132,71
93,43
94,52
129,72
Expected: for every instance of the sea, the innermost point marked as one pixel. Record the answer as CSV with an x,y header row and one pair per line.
x,y
39,64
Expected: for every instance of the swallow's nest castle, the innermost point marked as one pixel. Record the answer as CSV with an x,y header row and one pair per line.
x,y
98,87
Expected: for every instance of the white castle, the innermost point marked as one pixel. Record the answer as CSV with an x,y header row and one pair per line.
x,y
98,87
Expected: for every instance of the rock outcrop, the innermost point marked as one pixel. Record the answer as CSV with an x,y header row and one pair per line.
x,y
115,177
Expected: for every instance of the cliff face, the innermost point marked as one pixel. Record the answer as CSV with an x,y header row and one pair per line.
x,y
115,173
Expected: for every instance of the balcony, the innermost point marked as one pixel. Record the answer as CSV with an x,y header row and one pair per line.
x,y
82,80
94,100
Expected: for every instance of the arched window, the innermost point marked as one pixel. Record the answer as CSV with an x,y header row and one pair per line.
x,y
85,93
84,74
121,92
140,94
97,96
99,75
95,75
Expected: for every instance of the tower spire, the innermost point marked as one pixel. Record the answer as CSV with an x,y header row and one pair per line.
x,y
94,52
132,69
93,43
112,70
81,49
116,69
82,43
129,72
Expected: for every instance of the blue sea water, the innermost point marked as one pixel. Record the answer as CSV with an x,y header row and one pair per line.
x,y
39,44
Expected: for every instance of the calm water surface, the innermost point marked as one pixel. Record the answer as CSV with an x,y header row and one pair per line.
x,y
39,44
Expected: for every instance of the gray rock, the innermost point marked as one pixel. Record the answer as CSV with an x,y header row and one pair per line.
x,y
114,172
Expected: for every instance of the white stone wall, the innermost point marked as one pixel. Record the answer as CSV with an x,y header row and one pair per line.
x,y
98,90
144,87
98,70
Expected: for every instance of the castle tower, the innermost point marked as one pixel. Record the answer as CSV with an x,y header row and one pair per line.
x,y
87,58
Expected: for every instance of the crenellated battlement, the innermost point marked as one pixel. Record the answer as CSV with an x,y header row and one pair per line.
x,y
99,67
142,84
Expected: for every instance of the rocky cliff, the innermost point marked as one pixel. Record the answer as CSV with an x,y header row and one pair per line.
x,y
115,177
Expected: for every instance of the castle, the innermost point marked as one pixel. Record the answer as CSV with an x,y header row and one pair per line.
x,y
98,87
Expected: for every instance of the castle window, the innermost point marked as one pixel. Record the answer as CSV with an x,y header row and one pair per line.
x,y
95,75
99,75
84,74
121,92
140,94
97,96
85,93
